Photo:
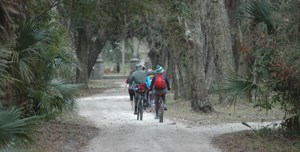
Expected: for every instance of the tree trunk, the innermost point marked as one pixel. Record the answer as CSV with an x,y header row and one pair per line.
x,y
154,56
82,50
157,46
96,48
232,11
221,42
180,73
194,59
298,22
123,56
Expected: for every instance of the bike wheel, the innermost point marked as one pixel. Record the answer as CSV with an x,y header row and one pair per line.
x,y
138,109
156,108
141,109
138,113
161,116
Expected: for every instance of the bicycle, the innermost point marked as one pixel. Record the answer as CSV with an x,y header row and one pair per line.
x,y
160,107
140,106
141,91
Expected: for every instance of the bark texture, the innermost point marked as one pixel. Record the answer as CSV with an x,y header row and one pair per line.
x,y
96,48
82,50
197,48
221,42
232,11
88,50
208,55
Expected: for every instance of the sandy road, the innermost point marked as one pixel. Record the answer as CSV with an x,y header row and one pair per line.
x,y
121,132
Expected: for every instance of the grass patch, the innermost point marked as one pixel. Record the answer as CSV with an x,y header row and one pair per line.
x,y
242,112
263,140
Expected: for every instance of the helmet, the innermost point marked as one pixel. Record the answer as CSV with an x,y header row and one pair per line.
x,y
149,70
159,69
137,66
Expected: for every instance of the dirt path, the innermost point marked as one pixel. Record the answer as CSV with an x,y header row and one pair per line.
x,y
121,132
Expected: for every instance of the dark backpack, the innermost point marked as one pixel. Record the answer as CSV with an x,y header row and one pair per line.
x,y
160,82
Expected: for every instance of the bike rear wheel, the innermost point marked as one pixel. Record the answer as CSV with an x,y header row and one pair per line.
x,y
161,118
161,111
140,109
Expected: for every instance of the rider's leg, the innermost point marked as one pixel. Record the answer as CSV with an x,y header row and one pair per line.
x,y
146,99
131,99
131,95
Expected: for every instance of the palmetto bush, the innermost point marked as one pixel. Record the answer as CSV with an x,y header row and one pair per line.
x,y
275,68
42,61
14,130
4,55
36,61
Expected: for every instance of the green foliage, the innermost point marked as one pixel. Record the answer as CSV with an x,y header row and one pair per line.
x,y
4,61
33,74
107,15
82,12
29,43
41,11
260,11
178,8
13,14
237,85
14,130
274,58
43,61
271,82
265,130
55,98
177,12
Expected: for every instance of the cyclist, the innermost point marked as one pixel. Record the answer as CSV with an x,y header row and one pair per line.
x,y
161,86
138,77
148,83
130,90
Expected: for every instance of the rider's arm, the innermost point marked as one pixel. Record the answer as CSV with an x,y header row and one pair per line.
x,y
167,82
152,82
130,79
151,72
